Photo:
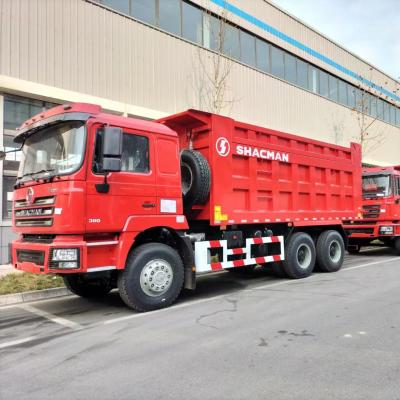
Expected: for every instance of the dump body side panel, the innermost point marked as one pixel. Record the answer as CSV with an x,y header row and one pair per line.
x,y
262,176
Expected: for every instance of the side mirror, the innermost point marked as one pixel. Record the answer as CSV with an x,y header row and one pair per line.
x,y
112,149
2,155
111,154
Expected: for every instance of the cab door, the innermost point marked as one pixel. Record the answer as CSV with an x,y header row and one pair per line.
x,y
132,191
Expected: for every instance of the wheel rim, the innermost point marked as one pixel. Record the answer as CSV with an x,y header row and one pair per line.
x,y
156,277
304,256
187,178
335,251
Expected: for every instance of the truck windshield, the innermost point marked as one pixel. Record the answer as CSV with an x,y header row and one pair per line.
x,y
376,186
57,150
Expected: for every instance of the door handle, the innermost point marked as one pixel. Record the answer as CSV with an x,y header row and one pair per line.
x,y
148,205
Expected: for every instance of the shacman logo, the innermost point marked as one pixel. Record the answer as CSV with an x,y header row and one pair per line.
x,y
30,196
223,146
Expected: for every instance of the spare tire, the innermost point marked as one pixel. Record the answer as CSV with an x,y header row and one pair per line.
x,y
196,177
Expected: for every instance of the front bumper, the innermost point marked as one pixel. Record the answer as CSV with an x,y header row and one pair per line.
x,y
35,257
371,231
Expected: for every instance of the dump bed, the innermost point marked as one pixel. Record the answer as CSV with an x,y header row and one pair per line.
x,y
260,175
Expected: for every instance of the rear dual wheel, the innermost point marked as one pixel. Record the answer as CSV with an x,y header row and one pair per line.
x,y
302,254
330,251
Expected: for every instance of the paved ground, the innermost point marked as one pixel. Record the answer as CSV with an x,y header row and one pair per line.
x,y
8,269
330,336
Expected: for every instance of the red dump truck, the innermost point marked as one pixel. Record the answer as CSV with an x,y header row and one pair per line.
x,y
107,201
380,225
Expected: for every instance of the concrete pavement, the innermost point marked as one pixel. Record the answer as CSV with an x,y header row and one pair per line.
x,y
330,336
8,269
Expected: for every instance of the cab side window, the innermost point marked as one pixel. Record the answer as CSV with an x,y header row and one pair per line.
x,y
398,186
135,153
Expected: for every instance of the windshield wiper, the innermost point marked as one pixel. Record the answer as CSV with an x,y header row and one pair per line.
x,y
36,172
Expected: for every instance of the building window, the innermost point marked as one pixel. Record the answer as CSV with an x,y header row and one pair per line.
x,y
386,110
333,88
192,23
302,74
323,89
120,5
277,64
380,108
170,16
351,96
392,114
212,32
144,10
230,41
18,109
263,58
342,88
290,68
373,111
8,187
313,79
248,48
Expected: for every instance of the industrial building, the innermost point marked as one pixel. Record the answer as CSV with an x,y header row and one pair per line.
x,y
150,58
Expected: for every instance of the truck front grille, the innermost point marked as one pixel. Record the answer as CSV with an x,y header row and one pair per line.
x,y
371,211
34,222
34,256
32,214
39,201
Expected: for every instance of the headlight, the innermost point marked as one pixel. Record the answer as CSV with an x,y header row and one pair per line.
x,y
65,255
386,230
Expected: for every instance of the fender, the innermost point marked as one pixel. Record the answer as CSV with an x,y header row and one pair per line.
x,y
137,224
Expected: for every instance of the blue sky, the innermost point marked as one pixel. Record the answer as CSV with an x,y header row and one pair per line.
x,y
368,28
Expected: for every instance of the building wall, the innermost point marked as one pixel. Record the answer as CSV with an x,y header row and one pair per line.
x,y
78,50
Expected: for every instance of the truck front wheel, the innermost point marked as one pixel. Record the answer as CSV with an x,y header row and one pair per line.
x,y
300,256
330,251
90,288
153,277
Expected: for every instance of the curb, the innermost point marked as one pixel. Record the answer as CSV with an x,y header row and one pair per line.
x,y
24,297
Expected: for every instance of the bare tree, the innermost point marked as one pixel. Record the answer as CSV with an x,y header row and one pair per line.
x,y
212,69
367,112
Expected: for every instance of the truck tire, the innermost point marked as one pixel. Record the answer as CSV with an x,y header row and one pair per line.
x,y
330,251
300,256
153,277
196,177
88,288
397,245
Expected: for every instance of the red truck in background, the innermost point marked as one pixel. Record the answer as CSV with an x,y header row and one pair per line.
x,y
381,210
107,201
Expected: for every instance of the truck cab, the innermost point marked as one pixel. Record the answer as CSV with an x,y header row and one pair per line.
x,y
380,210
87,183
